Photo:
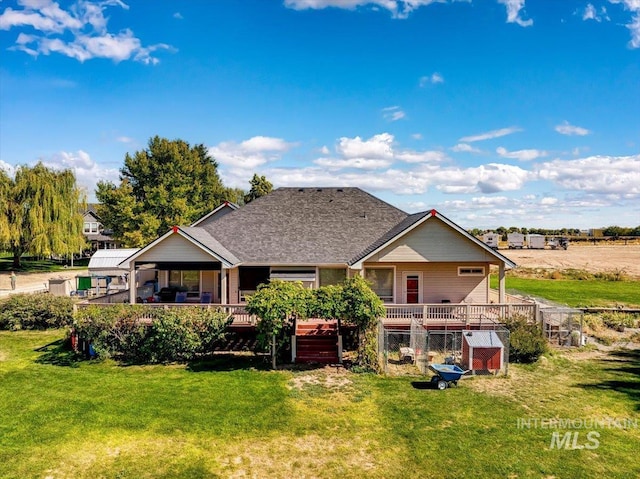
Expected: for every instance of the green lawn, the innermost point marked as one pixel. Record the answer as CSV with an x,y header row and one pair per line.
x,y
35,265
577,293
66,419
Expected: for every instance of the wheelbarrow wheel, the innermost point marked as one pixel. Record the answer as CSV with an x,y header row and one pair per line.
x,y
442,385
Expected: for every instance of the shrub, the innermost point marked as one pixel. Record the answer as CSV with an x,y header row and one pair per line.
x,y
35,311
526,340
137,333
618,320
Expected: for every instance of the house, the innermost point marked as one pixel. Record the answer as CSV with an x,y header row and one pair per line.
x,y
320,236
96,235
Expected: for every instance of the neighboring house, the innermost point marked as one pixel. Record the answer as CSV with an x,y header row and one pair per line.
x,y
320,236
96,235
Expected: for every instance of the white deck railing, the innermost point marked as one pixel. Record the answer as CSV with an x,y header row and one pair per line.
x,y
458,313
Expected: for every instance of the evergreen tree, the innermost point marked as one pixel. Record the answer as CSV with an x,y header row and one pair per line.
x,y
260,186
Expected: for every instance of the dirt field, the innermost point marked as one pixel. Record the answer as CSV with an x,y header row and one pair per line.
x,y
585,257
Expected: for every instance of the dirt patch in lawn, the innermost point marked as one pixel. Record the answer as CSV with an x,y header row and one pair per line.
x,y
328,377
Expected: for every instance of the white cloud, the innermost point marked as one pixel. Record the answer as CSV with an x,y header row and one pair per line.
x,y
566,129
88,172
250,153
434,79
490,200
417,136
490,134
521,155
398,8
360,163
378,146
634,26
611,175
591,13
548,201
178,16
124,139
79,32
409,156
9,169
393,113
514,8
465,148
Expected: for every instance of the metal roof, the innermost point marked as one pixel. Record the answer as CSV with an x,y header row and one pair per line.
x,y
482,339
110,259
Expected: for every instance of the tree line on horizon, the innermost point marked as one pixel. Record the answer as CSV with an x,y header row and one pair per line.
x,y
608,231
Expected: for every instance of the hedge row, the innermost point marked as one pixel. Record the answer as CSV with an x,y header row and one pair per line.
x,y
35,311
142,334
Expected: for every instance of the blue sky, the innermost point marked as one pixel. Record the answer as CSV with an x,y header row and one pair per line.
x,y
494,112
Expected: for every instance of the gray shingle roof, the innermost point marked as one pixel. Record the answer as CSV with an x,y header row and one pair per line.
x,y
200,235
305,226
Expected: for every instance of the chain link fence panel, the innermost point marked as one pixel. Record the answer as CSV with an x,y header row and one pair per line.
x,y
411,351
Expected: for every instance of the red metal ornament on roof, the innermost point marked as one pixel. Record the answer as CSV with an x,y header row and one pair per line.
x,y
175,229
434,212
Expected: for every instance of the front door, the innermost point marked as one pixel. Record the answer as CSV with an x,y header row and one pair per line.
x,y
412,288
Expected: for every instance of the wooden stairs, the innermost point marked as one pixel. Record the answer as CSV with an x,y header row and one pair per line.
x,y
317,341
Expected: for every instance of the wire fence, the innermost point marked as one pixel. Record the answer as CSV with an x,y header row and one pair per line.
x,y
411,351
563,326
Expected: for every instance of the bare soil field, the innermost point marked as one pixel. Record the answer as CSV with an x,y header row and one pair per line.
x,y
587,257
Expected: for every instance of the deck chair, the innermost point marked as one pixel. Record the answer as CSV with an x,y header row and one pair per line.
x,y
205,298
181,296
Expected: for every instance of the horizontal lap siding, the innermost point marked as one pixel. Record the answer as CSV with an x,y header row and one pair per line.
x,y
440,281
175,248
433,241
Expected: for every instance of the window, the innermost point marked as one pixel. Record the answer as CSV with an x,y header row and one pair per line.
x,y
186,279
90,227
249,278
331,276
470,270
381,282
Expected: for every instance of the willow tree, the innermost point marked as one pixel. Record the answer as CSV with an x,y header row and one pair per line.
x,y
169,183
42,212
5,188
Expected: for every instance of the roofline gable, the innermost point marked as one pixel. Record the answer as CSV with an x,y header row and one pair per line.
x,y
357,264
226,204
177,230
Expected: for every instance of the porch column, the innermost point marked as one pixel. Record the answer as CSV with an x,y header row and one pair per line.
x,y
132,282
502,284
223,285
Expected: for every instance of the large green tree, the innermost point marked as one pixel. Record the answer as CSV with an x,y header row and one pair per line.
x,y
41,212
168,183
260,186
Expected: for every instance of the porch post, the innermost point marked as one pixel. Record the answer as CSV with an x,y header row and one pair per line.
x,y
502,281
132,282
223,285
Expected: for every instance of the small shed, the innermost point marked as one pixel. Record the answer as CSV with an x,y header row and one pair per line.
x,y
482,351
60,286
